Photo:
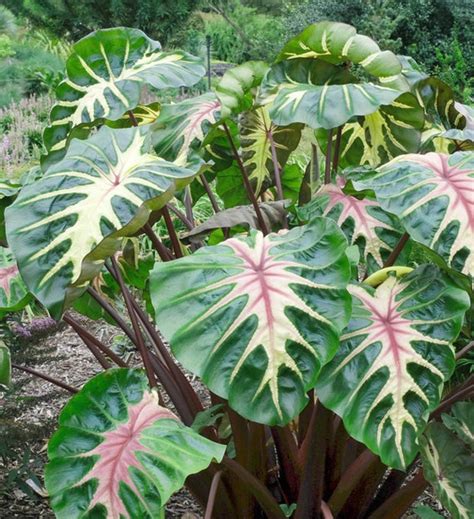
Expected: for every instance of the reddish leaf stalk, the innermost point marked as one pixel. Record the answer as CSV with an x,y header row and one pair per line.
x,y
304,418
461,353
113,313
258,489
133,119
172,232
248,186
313,458
336,451
89,338
212,494
136,328
327,169
465,390
210,194
400,501
162,251
181,216
350,479
182,382
397,250
287,450
276,166
52,380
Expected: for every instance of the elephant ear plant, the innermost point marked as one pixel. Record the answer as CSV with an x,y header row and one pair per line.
x,y
298,345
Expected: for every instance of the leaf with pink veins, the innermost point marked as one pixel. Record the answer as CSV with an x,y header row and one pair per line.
x,y
118,454
394,358
433,195
257,317
363,221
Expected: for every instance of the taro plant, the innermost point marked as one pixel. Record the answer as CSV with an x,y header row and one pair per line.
x,y
323,307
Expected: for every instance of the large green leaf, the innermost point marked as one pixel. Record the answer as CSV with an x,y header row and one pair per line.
x,y
339,43
257,317
237,88
433,195
396,353
330,99
258,135
63,226
180,124
448,464
363,221
390,131
5,365
118,453
13,293
106,74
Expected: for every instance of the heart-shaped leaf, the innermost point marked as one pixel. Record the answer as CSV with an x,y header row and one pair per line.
x,y
257,317
448,464
362,220
63,226
396,353
106,74
118,454
180,124
13,292
433,195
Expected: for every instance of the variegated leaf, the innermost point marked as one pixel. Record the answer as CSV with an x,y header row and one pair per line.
x,y
448,464
181,124
330,99
118,454
339,43
433,196
257,136
319,94
237,89
13,292
63,226
390,131
257,317
105,77
394,357
362,219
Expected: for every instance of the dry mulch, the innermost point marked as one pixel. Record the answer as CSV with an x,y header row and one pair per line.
x,y
28,417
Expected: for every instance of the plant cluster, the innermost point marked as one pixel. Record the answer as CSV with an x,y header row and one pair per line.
x,y
323,305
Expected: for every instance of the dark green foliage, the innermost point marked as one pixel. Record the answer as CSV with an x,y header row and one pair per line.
x,y
436,33
159,19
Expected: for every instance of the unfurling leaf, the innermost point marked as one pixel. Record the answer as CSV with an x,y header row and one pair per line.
x,y
433,196
118,454
394,357
63,226
257,317
448,463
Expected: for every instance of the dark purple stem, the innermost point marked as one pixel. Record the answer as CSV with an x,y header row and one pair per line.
x,y
52,380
